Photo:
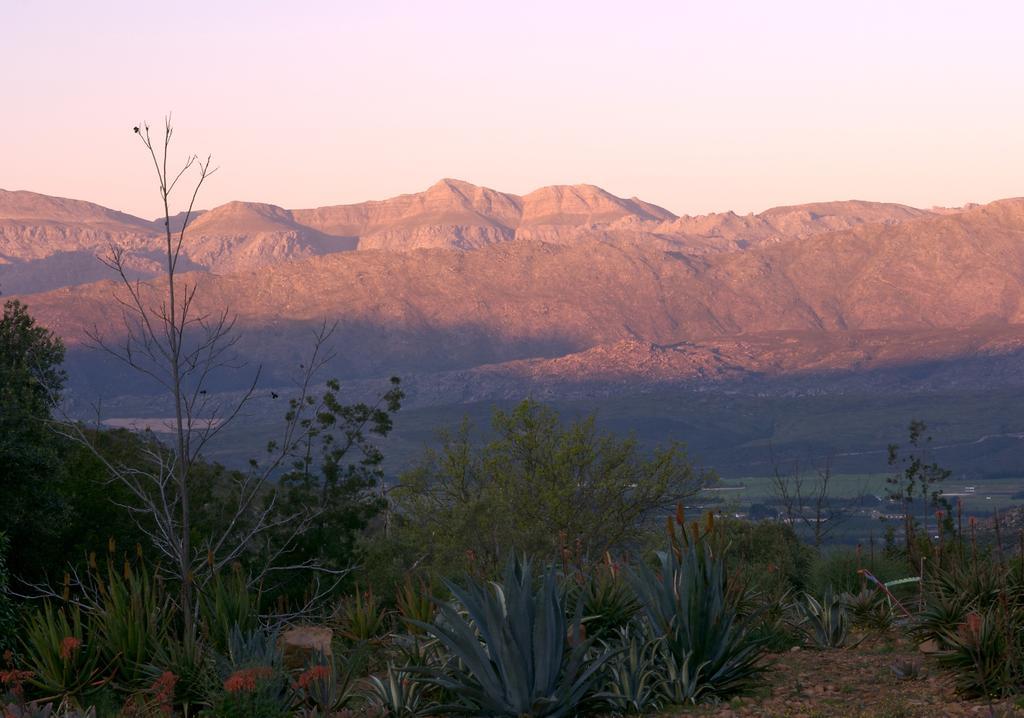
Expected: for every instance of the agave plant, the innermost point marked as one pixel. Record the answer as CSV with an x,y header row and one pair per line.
x,y
825,623
516,653
251,648
398,695
634,682
47,710
690,603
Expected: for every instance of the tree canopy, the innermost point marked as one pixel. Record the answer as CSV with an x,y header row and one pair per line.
x,y
538,485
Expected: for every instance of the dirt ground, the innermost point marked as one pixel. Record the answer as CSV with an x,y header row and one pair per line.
x,y
855,683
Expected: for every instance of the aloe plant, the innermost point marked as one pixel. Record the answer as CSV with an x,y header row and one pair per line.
x,y
414,604
513,648
327,685
363,617
825,623
226,601
130,621
63,663
608,602
689,602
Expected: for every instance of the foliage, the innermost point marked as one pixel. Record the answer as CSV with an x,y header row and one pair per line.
x,y
987,652
516,653
326,685
226,603
31,381
63,663
254,682
398,695
871,610
192,664
691,603
609,603
914,477
824,623
545,479
257,692
838,569
131,619
414,604
953,592
335,474
769,554
362,616
8,614
633,681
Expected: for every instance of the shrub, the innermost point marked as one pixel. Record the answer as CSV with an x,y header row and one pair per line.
x,y
516,653
254,683
769,554
8,616
414,604
838,570
257,692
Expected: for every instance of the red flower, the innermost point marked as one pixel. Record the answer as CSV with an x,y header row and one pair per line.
x,y
312,675
13,681
970,629
245,679
69,646
163,690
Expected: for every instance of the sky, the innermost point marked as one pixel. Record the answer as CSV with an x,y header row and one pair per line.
x,y
695,106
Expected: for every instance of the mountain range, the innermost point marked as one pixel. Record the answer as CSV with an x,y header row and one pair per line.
x,y
568,292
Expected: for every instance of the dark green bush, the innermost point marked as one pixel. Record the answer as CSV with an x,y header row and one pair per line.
x,y
838,569
8,613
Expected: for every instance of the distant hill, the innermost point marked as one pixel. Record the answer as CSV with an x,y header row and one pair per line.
x,y
568,292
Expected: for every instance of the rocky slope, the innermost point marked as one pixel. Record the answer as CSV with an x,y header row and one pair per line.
x,y
571,284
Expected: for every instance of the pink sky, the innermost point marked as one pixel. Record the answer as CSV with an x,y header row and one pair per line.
x,y
696,106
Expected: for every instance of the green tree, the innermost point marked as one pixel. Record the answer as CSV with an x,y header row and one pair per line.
x,y
8,617
915,478
334,485
31,382
539,486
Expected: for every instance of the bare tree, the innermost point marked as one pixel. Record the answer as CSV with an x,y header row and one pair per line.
x,y
169,339
808,501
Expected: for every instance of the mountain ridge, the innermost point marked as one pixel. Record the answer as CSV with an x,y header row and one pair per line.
x,y
553,286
